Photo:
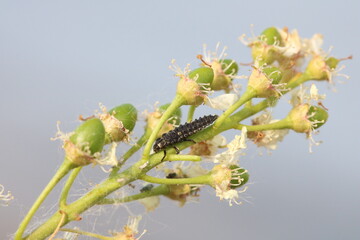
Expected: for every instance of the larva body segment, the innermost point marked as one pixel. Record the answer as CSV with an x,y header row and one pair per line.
x,y
181,133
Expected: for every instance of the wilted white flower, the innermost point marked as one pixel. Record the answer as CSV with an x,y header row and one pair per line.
x,y
269,138
291,41
305,94
109,159
150,203
231,155
222,102
208,147
222,176
313,45
130,229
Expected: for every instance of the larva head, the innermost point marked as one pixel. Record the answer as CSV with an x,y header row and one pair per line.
x,y
159,145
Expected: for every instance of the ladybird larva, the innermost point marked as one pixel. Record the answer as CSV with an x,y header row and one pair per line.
x,y
181,133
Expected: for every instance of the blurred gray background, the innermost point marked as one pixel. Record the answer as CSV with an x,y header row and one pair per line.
x,y
59,59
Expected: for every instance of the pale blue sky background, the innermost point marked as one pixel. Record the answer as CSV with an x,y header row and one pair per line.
x,y
59,59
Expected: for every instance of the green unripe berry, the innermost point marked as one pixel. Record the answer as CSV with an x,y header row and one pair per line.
x,y
224,70
202,75
271,35
274,74
176,115
127,114
89,136
318,116
240,176
229,66
332,62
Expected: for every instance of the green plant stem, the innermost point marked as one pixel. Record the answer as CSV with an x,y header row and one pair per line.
x,y
175,157
204,179
159,190
250,110
296,81
67,186
249,94
65,167
191,113
281,124
74,209
86,233
175,104
132,150
137,146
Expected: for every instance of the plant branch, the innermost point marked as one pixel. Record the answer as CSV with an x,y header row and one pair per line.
x,y
65,167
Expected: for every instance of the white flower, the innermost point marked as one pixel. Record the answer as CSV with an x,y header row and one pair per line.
x,y
313,45
292,42
231,155
314,94
208,147
228,194
305,94
222,102
222,176
270,138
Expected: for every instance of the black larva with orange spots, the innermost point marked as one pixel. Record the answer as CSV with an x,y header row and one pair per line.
x,y
181,133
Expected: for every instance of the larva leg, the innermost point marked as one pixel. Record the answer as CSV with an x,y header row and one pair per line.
x,y
176,149
164,155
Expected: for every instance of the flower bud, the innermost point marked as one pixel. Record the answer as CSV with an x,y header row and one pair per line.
x,y
305,118
190,90
271,36
240,176
118,122
87,140
265,54
320,69
262,82
224,70
221,176
298,117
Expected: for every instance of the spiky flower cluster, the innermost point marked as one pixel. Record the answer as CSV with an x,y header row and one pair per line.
x,y
282,61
